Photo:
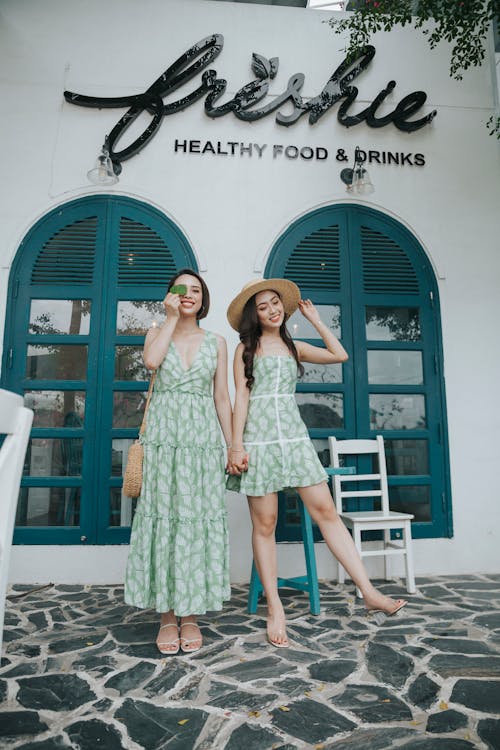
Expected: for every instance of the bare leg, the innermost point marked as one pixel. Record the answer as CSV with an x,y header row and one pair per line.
x,y
319,502
168,635
264,513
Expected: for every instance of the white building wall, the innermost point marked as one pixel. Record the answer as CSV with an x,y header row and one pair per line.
x,y
232,209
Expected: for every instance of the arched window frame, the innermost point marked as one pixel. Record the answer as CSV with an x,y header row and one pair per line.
x,y
94,519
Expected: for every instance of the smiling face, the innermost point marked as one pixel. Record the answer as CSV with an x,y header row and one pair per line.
x,y
191,301
270,310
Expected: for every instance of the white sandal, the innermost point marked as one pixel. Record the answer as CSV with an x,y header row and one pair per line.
x,y
163,644
185,642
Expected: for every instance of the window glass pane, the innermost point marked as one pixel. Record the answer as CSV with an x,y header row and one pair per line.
x,y
397,411
322,450
54,457
121,508
129,364
119,455
135,317
128,408
48,506
56,408
60,316
55,362
394,367
324,410
291,507
406,457
300,328
321,373
392,324
412,499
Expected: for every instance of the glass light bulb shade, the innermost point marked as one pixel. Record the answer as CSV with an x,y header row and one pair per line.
x,y
364,186
361,183
102,173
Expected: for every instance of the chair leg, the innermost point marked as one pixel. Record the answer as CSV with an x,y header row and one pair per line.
x,y
387,540
254,591
312,573
357,543
410,572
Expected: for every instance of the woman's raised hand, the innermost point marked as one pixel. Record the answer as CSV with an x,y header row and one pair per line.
x,y
171,303
309,312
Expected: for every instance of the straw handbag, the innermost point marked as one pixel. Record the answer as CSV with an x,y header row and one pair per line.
x,y
132,479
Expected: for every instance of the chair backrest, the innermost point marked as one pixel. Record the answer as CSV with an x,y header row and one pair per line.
x,y
378,480
15,425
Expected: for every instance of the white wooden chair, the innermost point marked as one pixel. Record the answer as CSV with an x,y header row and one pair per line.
x,y
371,520
15,425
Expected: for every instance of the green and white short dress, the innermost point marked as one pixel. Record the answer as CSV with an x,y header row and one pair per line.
x,y
179,552
275,436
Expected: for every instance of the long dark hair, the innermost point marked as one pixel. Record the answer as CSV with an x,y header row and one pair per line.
x,y
205,294
250,332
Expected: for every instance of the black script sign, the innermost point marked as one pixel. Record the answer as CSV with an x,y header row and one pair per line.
x,y
242,105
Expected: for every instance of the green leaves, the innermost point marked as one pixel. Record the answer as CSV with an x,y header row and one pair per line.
x,y
465,24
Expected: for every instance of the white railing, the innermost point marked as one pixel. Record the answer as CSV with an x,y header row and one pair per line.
x,y
15,425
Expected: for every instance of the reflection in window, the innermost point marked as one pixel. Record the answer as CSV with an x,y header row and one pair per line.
x,y
292,510
395,367
129,364
407,457
48,506
128,408
300,328
411,499
59,316
392,324
321,410
135,317
54,457
119,455
321,373
397,411
56,362
55,408
321,445
121,508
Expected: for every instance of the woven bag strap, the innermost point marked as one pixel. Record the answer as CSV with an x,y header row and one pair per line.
x,y
148,399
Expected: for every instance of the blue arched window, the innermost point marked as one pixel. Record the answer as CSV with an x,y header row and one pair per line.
x,y
85,285
375,287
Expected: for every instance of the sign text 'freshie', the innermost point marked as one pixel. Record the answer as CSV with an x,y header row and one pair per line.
x,y
243,104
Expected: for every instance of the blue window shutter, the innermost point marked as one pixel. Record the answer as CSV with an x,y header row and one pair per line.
x,y
102,249
68,256
144,256
357,257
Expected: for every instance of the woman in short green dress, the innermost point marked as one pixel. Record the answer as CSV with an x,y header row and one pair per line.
x,y
271,446
178,561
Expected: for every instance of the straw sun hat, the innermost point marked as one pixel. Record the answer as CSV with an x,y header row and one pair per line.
x,y
287,290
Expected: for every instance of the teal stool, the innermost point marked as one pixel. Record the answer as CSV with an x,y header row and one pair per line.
x,y
309,582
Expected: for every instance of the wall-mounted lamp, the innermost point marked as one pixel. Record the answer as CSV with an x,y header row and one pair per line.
x,y
105,171
357,179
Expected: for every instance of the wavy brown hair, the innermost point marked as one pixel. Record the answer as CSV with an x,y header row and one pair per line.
x,y
250,332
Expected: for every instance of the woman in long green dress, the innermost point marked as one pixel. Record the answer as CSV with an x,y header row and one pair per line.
x,y
271,446
178,561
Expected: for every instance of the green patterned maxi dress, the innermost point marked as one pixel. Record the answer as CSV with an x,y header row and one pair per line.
x,y
280,449
179,553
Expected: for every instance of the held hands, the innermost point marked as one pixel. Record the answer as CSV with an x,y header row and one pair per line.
x,y
238,462
309,312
